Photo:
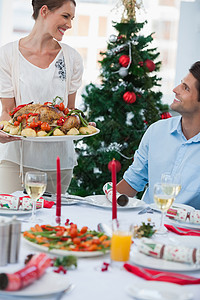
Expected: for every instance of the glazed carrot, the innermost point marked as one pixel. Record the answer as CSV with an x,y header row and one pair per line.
x,y
28,234
93,247
40,239
38,228
33,229
106,244
46,245
103,237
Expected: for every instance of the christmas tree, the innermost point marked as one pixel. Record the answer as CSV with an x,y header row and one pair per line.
x,y
123,106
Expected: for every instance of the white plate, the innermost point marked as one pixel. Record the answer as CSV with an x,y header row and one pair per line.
x,y
102,201
5,219
175,205
55,282
13,212
65,252
146,261
157,290
185,240
183,224
62,138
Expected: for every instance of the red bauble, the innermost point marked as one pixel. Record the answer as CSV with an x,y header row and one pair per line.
x,y
150,65
166,115
124,60
118,166
129,97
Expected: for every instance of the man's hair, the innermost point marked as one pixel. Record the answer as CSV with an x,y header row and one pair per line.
x,y
195,71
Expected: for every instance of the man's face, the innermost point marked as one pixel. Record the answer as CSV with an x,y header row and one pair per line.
x,y
186,97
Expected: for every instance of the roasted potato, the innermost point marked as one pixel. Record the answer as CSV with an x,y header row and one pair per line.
x,y
73,131
58,132
41,133
87,130
14,130
28,132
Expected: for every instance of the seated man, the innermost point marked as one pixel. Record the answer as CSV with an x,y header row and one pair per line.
x,y
171,145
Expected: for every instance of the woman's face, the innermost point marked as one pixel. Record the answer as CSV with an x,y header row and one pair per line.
x,y
59,20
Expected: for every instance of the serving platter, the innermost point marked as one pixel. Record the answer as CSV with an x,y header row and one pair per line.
x,y
60,252
61,138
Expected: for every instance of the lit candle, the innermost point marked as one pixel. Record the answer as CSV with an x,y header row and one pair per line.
x,y
114,192
58,199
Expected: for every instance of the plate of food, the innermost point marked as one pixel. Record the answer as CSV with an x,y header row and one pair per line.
x,y
66,240
102,201
48,122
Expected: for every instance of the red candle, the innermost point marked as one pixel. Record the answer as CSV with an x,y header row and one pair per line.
x,y
58,199
114,195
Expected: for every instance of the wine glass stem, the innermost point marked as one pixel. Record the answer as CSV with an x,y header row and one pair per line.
x,y
161,219
34,210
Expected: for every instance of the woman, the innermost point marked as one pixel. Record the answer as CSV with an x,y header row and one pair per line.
x,y
37,68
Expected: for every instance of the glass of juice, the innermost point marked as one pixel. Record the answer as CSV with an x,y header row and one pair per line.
x,y
122,232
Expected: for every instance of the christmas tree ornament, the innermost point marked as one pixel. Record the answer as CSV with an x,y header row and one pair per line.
x,y
124,60
112,38
166,115
150,65
129,97
123,72
141,64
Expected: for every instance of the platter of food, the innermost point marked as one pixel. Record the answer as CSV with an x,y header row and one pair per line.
x,y
48,122
66,240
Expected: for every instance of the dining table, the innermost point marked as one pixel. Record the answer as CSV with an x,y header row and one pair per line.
x,y
88,281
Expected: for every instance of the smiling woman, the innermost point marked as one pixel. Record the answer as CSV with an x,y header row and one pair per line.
x,y
39,68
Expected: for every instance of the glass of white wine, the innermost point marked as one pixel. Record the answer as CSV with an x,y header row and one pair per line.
x,y
164,198
171,182
35,184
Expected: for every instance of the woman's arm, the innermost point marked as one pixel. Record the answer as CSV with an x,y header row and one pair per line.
x,y
71,100
8,104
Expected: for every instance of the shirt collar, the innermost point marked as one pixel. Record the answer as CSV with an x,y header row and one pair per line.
x,y
176,127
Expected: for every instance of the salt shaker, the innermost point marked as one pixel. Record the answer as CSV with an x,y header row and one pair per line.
x,y
15,232
4,242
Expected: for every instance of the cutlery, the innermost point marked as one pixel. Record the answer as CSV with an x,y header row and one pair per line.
x,y
148,210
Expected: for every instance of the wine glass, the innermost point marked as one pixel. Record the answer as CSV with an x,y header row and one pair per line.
x,y
163,197
171,182
35,184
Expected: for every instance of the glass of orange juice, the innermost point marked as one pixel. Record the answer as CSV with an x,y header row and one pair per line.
x,y
120,242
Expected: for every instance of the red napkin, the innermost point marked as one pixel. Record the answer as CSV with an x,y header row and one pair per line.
x,y
154,275
48,204
186,231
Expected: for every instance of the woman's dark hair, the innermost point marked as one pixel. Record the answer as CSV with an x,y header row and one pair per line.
x,y
195,71
51,4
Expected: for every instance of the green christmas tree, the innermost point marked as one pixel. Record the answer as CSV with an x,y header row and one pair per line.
x,y
123,106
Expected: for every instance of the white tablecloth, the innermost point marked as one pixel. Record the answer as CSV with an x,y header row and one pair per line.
x,y
89,283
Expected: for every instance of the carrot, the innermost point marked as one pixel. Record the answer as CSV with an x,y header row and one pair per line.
x,y
38,228
106,244
28,234
33,229
93,247
103,237
40,239
46,245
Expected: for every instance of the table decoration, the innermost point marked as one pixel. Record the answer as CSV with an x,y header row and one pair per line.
x,y
33,270
155,275
182,231
114,195
144,230
169,252
182,215
58,195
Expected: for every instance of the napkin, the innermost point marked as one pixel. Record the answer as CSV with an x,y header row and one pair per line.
x,y
154,275
185,231
48,204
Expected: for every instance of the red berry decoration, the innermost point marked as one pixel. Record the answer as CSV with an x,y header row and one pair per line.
x,y
124,60
141,64
150,65
166,115
129,97
118,166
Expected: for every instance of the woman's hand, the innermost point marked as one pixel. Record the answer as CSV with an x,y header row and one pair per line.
x,y
5,138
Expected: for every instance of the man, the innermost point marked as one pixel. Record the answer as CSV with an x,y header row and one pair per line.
x,y
171,145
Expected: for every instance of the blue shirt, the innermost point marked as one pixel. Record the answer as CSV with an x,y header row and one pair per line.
x,y
164,148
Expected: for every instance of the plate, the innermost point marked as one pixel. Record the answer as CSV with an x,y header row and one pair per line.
x,y
4,219
184,224
54,281
146,261
157,290
102,201
13,212
65,252
185,240
175,205
62,138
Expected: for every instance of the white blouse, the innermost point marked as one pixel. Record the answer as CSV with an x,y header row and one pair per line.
x,y
26,82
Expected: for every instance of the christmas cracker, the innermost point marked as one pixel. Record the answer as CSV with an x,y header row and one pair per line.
x,y
182,215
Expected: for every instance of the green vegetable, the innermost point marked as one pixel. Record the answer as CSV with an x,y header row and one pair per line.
x,y
66,261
